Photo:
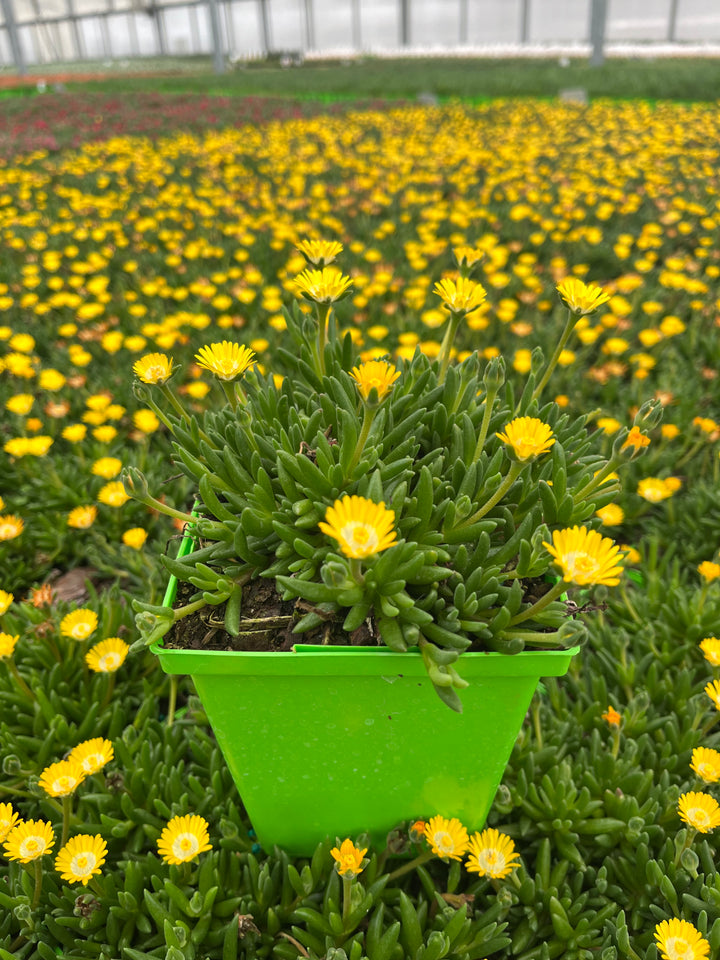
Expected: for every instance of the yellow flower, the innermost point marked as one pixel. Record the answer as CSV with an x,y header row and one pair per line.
x,y
612,717
348,859
60,779
29,840
8,819
612,515
105,434
631,554
460,296
146,421
679,940
21,403
153,368
113,494
635,439
107,467
491,854
74,433
669,431
82,517
107,656
377,374
706,764
653,489
135,537
323,286
582,298
5,600
709,571
79,624
225,360
51,380
700,810
712,689
81,858
319,253
361,527
467,256
528,437
710,647
183,839
447,838
7,645
92,755
585,557
522,361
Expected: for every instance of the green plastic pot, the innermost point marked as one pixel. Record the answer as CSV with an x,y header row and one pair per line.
x,y
338,741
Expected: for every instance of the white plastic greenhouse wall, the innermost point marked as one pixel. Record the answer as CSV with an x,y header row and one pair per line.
x,y
55,31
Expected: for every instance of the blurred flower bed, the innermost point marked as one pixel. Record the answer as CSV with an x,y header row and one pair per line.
x,y
147,238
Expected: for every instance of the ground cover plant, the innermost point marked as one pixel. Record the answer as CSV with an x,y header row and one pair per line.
x,y
132,246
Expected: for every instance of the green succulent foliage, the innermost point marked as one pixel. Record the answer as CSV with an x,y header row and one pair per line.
x,y
462,569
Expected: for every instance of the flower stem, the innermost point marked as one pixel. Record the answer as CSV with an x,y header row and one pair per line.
x,y
347,883
230,394
172,700
485,425
596,480
12,667
569,327
552,594
446,346
368,418
411,864
38,883
512,475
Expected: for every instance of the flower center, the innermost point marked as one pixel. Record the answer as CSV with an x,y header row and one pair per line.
x,y
32,847
82,864
360,536
699,818
679,949
93,762
109,662
155,373
185,846
491,861
580,565
443,841
64,785
80,631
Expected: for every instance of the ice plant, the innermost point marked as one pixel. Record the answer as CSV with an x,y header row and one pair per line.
x,y
581,298
460,296
107,656
6,600
113,494
135,537
710,647
612,717
8,819
491,854
82,518
79,625
706,764
153,368
81,858
527,437
709,570
699,810
585,557
362,528
8,643
11,527
320,253
29,840
62,778
374,375
447,837
712,689
92,755
348,859
653,489
183,839
226,360
325,286
680,940
636,439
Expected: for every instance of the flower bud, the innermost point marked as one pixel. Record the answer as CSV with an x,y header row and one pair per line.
x,y
494,375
